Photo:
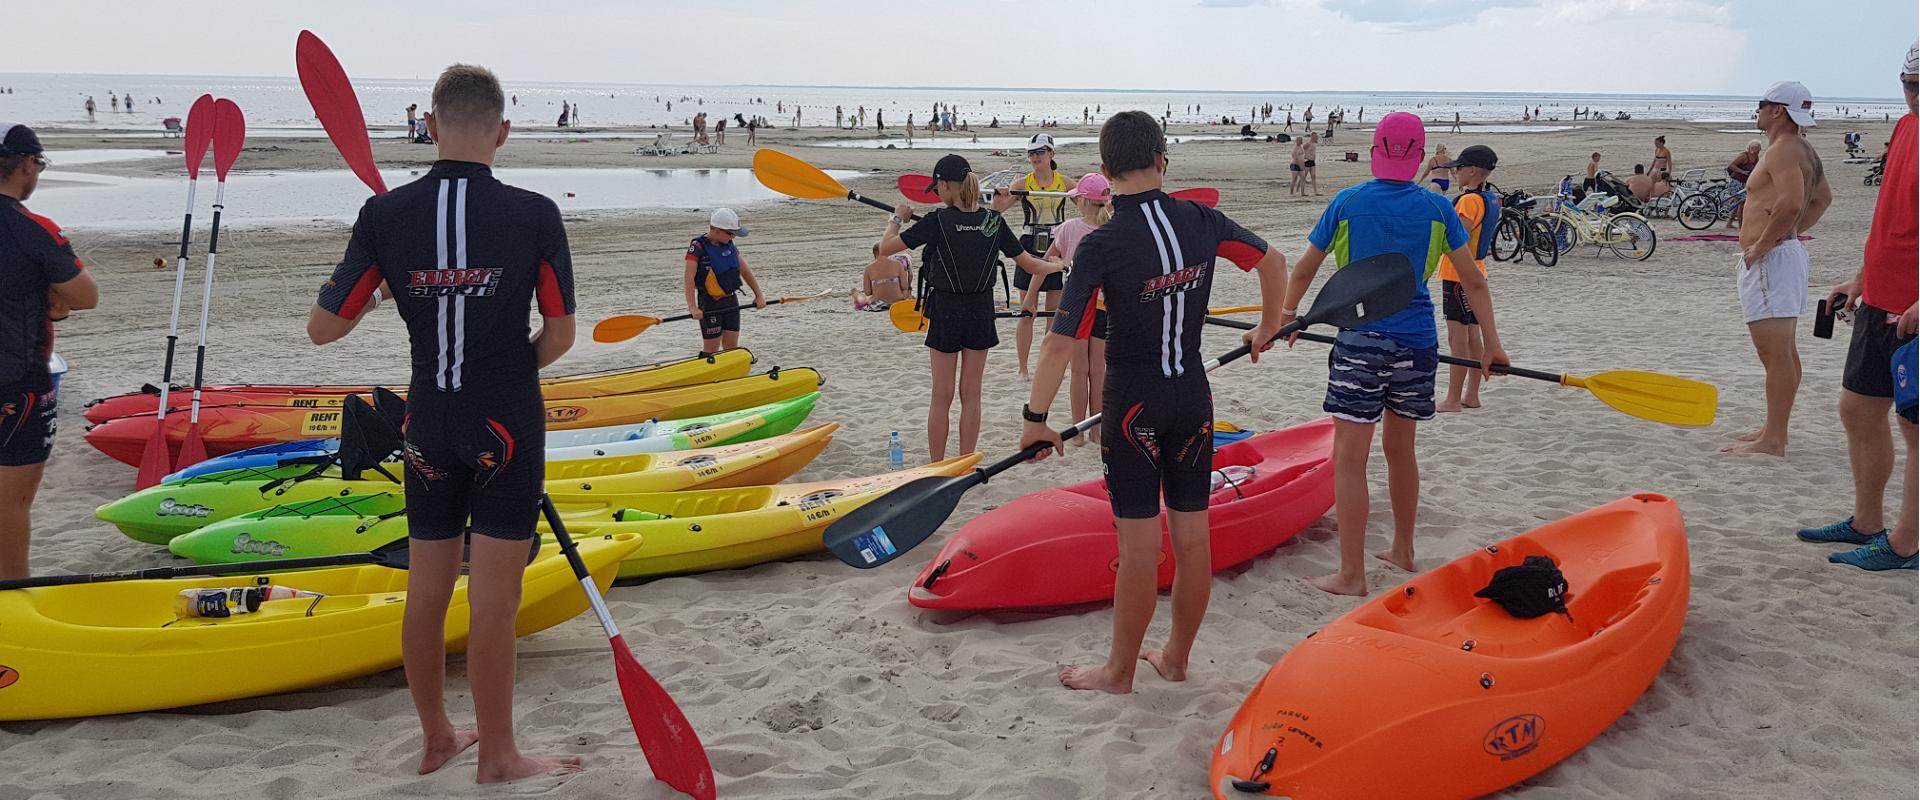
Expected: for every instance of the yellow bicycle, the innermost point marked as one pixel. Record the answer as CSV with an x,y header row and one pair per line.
x,y
1627,234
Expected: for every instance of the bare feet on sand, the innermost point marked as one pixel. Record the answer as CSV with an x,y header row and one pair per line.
x,y
1165,666
524,766
1397,558
1340,584
438,751
1094,678
1470,402
1749,436
1447,406
1760,446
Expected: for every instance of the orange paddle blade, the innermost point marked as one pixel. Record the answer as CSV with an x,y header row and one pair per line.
x,y
793,177
155,461
623,327
907,317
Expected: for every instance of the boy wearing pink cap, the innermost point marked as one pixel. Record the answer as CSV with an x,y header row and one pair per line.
x,y
1384,370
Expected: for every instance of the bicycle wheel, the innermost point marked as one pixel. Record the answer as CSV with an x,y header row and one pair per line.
x,y
1506,245
1560,234
1629,236
1540,241
1698,212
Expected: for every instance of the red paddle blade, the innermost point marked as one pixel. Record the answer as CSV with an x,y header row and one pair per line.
x,y
673,749
338,108
193,450
1243,255
1204,196
199,134
229,135
914,187
155,461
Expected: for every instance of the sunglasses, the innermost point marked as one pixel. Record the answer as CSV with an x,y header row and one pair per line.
x,y
1911,85
1764,104
41,161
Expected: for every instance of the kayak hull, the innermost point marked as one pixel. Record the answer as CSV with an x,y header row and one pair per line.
x,y
157,514
733,427
698,369
228,429
1057,547
115,648
693,531
1427,691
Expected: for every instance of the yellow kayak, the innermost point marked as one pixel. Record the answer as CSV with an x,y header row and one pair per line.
x,y
684,531
117,647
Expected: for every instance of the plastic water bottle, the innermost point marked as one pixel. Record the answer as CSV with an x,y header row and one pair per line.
x,y
896,457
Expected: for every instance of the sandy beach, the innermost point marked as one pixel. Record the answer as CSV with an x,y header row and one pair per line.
x,y
808,679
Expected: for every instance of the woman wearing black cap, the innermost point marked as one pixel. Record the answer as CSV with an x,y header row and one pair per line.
x,y
962,246
41,280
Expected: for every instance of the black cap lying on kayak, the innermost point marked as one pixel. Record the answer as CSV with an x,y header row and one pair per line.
x,y
1533,588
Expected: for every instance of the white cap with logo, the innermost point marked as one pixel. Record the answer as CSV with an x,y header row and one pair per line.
x,y
1796,98
1039,142
726,220
1912,65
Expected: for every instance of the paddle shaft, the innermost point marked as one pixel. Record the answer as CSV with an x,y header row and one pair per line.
x,y
206,300
179,288
162,573
1498,369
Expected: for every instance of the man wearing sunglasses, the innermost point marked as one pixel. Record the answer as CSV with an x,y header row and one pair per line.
x,y
41,280
1786,195
1883,292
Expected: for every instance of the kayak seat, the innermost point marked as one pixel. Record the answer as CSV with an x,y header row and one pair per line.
x,y
1609,569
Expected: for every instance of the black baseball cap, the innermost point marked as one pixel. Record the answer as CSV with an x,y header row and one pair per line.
x,y
19,140
1478,155
950,168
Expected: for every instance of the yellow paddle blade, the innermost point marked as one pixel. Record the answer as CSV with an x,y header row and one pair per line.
x,y
794,178
623,327
906,318
1652,396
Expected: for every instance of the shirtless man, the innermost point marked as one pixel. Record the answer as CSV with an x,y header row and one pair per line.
x,y
1307,169
1788,192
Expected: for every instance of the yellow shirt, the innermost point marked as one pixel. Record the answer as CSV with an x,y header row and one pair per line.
x,y
1046,211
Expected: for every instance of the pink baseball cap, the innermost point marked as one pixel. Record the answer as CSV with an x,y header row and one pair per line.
x,y
1399,144
1092,185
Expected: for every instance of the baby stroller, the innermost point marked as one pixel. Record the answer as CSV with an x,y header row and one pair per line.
x,y
1856,154
1605,182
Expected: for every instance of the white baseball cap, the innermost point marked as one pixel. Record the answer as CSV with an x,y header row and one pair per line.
x,y
1912,65
726,220
1040,141
1796,98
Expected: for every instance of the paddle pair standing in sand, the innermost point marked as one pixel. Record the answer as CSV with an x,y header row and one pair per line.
x,y
41,281
1786,195
1383,372
467,256
961,244
1155,261
1884,292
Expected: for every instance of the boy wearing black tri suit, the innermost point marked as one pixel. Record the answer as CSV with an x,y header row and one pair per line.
x,y
40,281
1153,263
715,272
465,257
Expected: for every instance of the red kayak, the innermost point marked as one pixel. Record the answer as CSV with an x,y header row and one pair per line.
x,y
1057,547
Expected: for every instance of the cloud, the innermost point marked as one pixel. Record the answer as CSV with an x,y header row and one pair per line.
x,y
1233,3
1418,15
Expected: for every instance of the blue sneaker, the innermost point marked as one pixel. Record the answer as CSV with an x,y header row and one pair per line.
x,y
1841,532
1875,556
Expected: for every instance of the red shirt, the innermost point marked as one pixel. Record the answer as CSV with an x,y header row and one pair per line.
x,y
1890,271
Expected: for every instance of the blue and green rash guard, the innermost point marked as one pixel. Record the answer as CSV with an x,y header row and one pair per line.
x,y
1385,216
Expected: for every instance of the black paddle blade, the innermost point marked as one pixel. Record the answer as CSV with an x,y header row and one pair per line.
x,y
366,438
1364,291
900,520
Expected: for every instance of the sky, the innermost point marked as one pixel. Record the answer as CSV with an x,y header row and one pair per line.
x,y
1838,48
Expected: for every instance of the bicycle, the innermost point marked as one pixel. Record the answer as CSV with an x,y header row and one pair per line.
x,y
1715,201
1627,234
1519,232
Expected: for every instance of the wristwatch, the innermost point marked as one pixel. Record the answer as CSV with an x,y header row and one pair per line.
x,y
895,219
1027,413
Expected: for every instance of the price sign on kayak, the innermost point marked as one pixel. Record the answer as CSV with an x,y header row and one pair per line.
x,y
321,423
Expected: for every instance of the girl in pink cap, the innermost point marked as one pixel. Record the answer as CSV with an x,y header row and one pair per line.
x,y
1089,364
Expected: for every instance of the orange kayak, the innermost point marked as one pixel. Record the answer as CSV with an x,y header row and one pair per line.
x,y
1427,691
229,429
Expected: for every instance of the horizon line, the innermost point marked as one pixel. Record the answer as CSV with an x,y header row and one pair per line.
x,y
1061,89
